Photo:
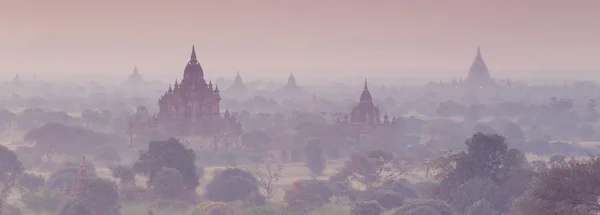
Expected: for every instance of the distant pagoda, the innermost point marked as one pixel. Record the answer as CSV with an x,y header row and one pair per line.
x,y
135,77
479,75
238,84
291,86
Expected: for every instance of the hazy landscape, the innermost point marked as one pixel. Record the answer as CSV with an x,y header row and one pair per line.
x,y
305,108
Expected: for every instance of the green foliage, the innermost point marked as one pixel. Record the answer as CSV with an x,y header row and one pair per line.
x,y
125,174
168,183
43,201
53,138
10,210
481,207
315,159
66,174
441,207
570,187
29,182
10,170
170,154
423,210
74,207
99,196
307,195
470,192
230,185
256,139
367,208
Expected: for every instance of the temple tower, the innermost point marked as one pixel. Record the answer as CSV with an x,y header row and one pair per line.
x,y
479,75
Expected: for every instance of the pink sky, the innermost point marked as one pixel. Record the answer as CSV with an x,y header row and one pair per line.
x,y
274,37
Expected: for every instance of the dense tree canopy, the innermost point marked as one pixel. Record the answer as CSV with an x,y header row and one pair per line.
x,y
168,154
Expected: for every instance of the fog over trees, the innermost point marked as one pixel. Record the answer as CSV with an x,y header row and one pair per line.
x,y
468,146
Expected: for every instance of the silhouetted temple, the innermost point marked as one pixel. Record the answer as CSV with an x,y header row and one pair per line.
x,y
191,107
479,75
365,111
135,77
291,86
238,84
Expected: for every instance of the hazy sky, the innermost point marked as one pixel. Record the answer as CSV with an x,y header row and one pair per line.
x,y
308,37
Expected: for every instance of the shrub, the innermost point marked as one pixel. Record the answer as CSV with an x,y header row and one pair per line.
x,y
367,208
230,185
481,207
168,183
315,160
441,207
213,208
74,207
424,210
29,183
306,195
43,201
10,210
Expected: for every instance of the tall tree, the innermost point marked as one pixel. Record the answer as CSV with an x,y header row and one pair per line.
x,y
315,159
168,154
10,170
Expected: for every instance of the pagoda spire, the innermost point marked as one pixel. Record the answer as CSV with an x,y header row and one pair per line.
x,y
366,88
193,57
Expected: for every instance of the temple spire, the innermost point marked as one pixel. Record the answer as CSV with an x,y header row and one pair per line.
x,y
366,88
193,58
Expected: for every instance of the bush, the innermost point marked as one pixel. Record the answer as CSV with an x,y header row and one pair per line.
x,y
367,208
125,175
315,160
213,208
74,207
424,210
481,207
168,183
66,174
29,183
441,207
43,201
306,195
230,185
10,210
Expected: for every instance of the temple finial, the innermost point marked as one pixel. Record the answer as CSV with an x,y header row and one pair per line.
x,y
193,57
238,72
366,88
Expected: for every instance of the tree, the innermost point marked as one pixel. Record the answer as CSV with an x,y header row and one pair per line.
x,y
99,196
487,156
367,208
413,205
168,183
306,195
267,175
571,187
513,132
168,154
374,168
481,207
230,185
29,183
74,207
315,160
125,174
10,170
255,139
